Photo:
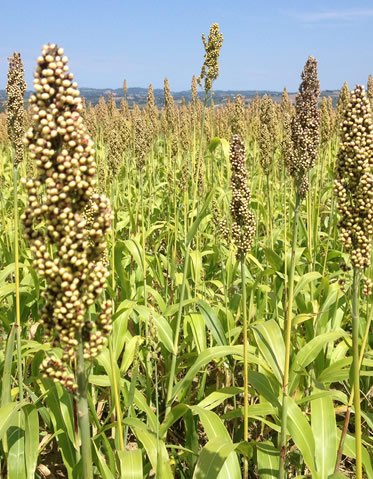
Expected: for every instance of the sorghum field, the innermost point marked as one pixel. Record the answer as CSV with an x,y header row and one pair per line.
x,y
186,292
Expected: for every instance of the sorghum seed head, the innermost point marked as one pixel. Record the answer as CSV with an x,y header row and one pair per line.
x,y
210,67
15,89
243,221
306,127
65,215
354,179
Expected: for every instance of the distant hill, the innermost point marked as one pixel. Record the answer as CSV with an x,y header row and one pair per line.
x,y
138,95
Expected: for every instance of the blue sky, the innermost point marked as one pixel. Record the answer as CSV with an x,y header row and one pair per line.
x,y
266,43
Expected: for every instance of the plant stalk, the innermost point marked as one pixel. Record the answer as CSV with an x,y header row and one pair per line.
x,y
289,320
245,372
83,415
352,395
171,378
356,369
16,261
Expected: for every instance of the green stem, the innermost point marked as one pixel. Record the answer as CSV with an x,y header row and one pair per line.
x,y
270,223
143,240
199,159
83,415
245,371
16,260
177,333
352,393
131,395
111,340
289,320
356,369
116,394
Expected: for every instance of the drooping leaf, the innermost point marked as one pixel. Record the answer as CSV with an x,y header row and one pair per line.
x,y
152,447
269,338
268,460
213,323
216,430
31,439
324,431
212,458
16,442
131,464
301,432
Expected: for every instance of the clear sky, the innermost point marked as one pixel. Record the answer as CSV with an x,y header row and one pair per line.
x,y
266,43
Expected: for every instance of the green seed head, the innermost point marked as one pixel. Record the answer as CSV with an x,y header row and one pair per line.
x,y
210,67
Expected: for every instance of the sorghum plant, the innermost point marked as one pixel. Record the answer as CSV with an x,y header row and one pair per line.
x,y
125,89
238,118
342,103
306,127
325,123
370,91
67,249
353,187
243,222
267,141
305,139
210,67
169,105
243,233
268,133
15,90
152,115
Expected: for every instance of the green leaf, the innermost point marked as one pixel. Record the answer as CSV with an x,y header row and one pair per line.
x,y
131,464
16,443
213,323
164,331
309,353
198,328
204,358
134,249
262,384
269,338
349,449
139,399
101,464
31,439
203,212
65,444
174,415
268,460
305,279
129,354
212,459
324,431
152,447
7,368
301,433
214,143
254,411
225,147
120,324
214,399
337,475
338,371
163,326
273,259
7,415
215,429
